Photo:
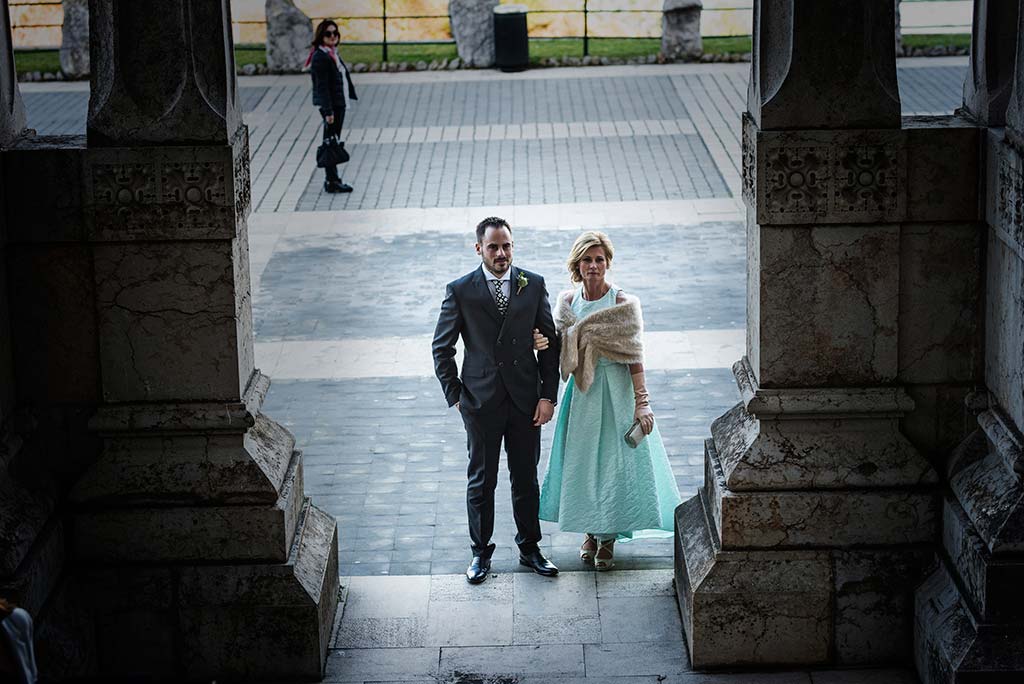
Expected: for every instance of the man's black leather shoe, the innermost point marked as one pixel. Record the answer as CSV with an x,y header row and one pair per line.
x,y
478,569
536,561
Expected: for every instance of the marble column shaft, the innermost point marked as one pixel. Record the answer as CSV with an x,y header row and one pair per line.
x,y
820,509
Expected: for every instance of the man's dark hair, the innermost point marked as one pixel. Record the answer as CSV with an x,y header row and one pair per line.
x,y
490,222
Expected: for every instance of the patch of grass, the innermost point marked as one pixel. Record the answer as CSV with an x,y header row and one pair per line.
x,y
728,45
927,40
540,49
255,54
46,61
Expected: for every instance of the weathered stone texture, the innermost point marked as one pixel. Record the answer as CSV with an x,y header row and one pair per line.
x,y
800,82
284,613
940,311
289,36
184,90
829,315
680,29
749,607
472,23
74,39
990,80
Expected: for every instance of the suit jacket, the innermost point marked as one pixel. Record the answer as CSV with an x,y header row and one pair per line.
x,y
327,82
499,358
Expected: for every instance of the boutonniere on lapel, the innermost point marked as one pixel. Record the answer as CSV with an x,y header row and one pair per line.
x,y
522,282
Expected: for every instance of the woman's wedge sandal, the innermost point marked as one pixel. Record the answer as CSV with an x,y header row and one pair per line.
x,y
604,558
588,549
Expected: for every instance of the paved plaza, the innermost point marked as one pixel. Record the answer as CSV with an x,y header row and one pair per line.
x,y
346,291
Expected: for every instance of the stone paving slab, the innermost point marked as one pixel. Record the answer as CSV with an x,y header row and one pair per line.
x,y
527,628
370,442
335,286
533,171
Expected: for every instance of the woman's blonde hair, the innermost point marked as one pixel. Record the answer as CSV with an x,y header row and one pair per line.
x,y
592,238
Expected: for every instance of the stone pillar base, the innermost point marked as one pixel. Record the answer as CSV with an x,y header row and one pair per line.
x,y
791,607
952,647
251,622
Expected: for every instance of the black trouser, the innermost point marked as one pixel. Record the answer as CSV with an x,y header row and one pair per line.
x,y
485,431
335,130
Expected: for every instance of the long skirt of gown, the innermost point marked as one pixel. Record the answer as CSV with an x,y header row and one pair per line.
x,y
597,483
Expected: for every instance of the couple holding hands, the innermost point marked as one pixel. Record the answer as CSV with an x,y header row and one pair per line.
x,y
608,476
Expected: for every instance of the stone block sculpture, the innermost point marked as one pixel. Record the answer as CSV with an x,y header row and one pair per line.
x,y
74,42
289,35
680,30
472,24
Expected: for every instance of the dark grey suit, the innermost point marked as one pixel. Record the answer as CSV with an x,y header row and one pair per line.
x,y
501,382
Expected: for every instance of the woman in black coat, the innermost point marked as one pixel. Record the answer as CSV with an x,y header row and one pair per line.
x,y
332,90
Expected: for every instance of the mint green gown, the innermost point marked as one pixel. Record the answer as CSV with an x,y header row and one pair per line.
x,y
595,482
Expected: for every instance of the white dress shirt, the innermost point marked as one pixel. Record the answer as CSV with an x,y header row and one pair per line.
x,y
505,281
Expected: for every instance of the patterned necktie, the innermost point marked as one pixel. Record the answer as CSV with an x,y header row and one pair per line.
x,y
499,297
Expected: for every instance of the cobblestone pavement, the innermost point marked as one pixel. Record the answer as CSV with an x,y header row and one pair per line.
x,y
346,288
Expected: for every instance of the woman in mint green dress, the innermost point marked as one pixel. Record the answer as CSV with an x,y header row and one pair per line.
x,y
596,483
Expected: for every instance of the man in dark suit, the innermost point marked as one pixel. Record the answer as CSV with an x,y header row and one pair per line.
x,y
505,392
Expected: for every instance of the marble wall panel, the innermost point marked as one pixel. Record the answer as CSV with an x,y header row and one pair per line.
x,y
939,420
1004,321
167,319
940,303
874,591
828,305
45,174
53,323
132,605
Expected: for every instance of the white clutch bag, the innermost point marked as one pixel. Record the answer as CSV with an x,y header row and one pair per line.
x,y
634,435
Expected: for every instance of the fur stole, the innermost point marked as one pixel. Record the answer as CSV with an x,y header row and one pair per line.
x,y
616,333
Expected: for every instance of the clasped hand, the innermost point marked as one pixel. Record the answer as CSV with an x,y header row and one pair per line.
x,y
646,417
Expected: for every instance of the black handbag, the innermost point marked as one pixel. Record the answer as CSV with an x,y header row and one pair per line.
x,y
331,153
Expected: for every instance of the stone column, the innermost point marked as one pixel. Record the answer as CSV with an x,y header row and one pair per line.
x,y
990,79
191,529
289,36
74,39
817,514
970,611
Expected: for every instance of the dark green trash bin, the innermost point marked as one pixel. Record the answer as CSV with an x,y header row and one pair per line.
x,y
511,42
